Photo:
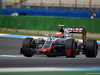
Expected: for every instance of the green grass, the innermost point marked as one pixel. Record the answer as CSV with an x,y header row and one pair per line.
x,y
34,34
53,73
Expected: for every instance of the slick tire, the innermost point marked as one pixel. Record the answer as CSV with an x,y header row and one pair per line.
x,y
91,48
27,44
70,47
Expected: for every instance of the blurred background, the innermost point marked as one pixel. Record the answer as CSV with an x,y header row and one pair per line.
x,y
85,5
35,14
52,4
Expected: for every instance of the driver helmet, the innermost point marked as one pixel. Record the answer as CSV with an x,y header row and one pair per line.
x,y
59,35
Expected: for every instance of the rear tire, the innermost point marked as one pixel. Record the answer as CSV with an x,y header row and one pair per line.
x,y
27,44
71,45
91,48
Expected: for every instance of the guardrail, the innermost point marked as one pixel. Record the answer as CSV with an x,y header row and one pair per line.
x,y
42,12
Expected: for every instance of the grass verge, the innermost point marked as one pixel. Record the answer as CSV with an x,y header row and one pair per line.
x,y
34,34
53,73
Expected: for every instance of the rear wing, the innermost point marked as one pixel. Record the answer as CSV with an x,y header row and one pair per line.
x,y
78,30
75,30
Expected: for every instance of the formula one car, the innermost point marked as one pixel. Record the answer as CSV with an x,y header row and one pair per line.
x,y
61,44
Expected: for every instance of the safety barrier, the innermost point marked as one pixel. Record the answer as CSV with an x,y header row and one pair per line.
x,y
43,12
48,23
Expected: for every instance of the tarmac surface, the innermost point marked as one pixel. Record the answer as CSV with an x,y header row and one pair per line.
x,y
11,46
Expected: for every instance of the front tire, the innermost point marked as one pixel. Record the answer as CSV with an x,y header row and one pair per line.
x,y
91,48
27,47
70,47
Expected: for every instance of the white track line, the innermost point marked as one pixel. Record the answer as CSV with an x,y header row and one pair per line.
x,y
35,69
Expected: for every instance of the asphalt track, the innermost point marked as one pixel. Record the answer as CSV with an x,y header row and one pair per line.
x,y
11,46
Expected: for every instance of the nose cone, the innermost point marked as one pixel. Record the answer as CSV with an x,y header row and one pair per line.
x,y
45,50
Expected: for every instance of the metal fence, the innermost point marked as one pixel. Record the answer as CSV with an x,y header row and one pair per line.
x,y
63,6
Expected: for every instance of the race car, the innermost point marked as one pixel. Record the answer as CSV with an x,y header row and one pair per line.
x,y
61,44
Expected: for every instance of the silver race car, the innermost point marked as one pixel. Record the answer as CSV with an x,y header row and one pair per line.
x,y
61,44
